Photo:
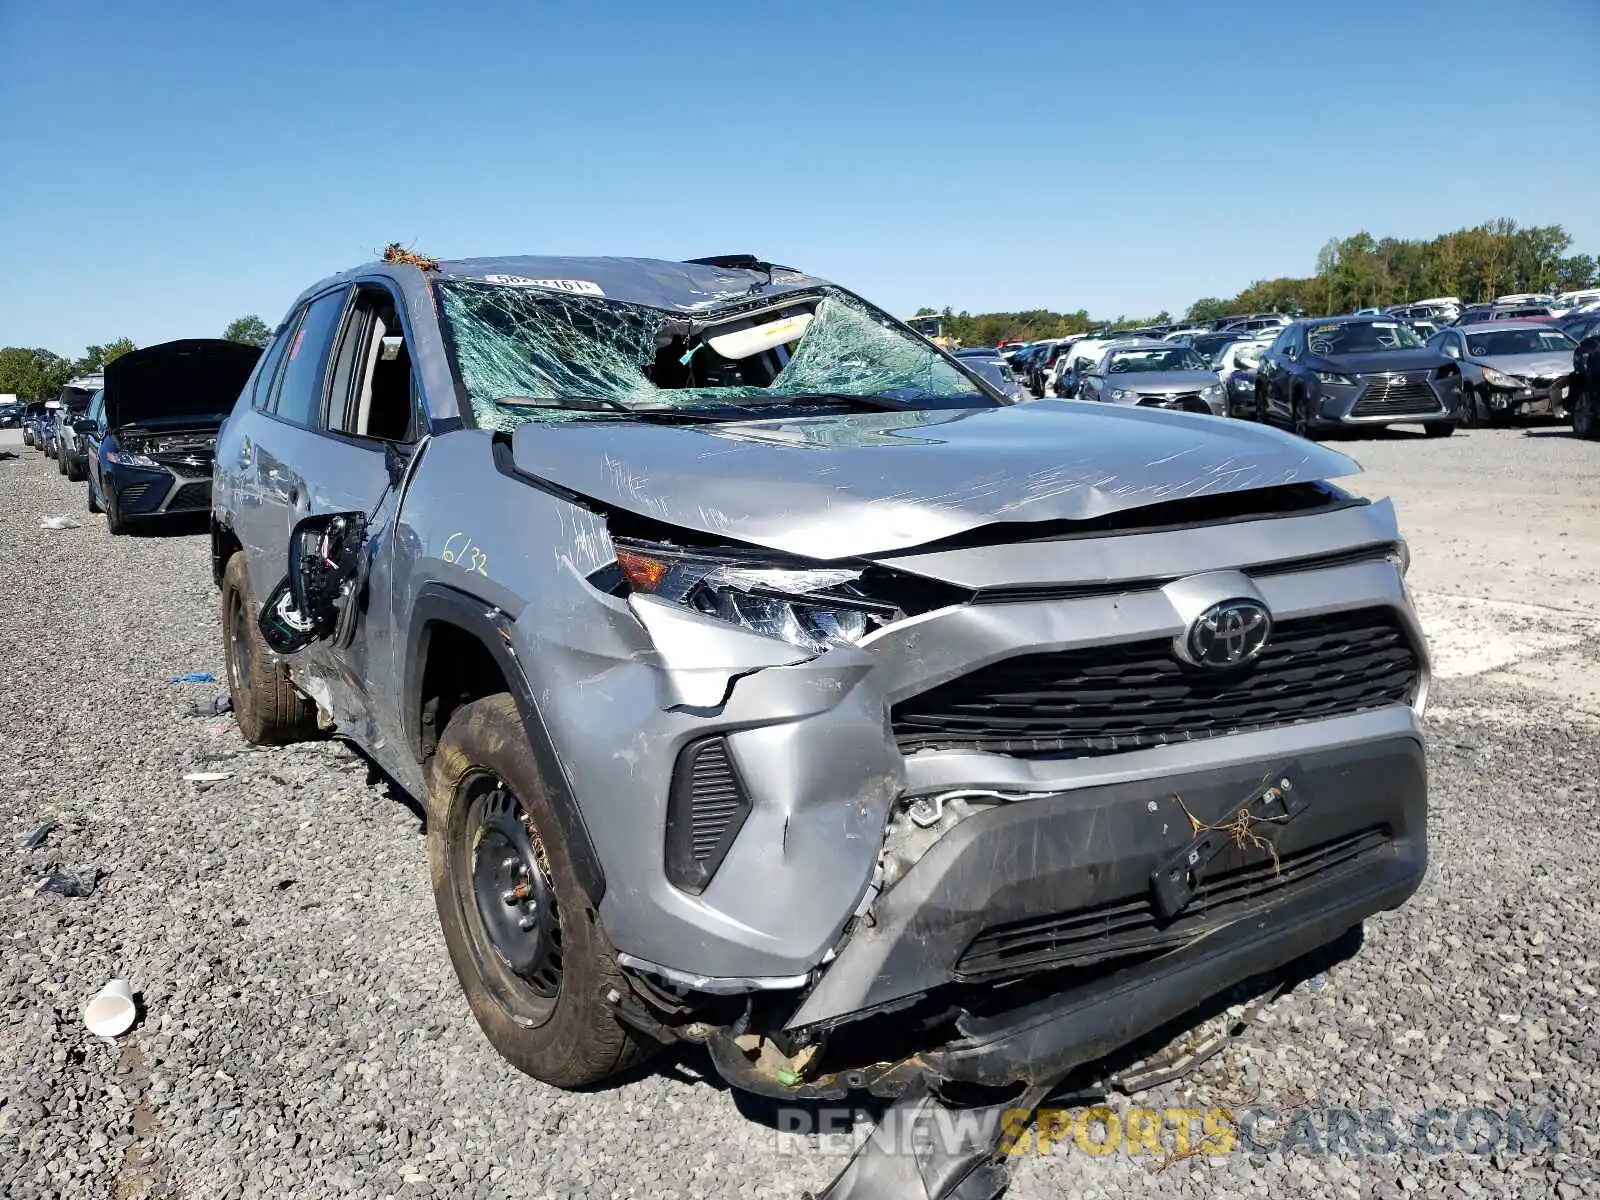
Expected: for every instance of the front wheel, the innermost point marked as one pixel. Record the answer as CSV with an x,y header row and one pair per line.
x,y
529,951
1586,414
1302,426
94,500
1438,429
116,524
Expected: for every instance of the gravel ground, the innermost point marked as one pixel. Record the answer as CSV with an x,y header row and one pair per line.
x,y
302,1034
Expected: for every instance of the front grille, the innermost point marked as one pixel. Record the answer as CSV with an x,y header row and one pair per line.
x,y
705,812
1132,926
1187,401
1392,397
191,495
1113,699
186,470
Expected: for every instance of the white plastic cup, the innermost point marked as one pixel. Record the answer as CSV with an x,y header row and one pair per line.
x,y
111,1013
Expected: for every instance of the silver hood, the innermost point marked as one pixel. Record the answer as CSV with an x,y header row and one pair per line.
x,y
834,487
1161,383
1543,366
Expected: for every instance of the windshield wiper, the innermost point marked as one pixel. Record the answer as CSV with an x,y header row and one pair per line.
x,y
803,399
605,406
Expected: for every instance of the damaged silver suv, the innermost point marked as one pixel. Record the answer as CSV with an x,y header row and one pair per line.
x,y
772,683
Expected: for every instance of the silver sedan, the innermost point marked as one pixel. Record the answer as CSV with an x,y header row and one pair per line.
x,y
1155,375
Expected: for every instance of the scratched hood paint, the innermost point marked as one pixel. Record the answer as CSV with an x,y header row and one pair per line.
x,y
853,485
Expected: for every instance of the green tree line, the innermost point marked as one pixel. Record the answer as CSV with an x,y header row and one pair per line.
x,y
1493,259
37,374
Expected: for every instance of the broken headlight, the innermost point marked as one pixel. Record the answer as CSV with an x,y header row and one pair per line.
x,y
810,607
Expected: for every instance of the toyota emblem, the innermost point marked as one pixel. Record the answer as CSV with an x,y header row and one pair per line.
x,y
1229,634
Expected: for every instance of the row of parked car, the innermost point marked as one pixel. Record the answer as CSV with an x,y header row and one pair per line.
x,y
142,435
1314,374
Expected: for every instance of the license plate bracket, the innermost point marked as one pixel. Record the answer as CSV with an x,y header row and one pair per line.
x,y
1273,803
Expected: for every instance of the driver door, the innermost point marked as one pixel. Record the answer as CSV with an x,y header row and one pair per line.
x,y
340,466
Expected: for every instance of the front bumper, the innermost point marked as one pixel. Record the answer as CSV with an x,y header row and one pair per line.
x,y
1065,884
1401,398
637,683
148,492
1215,405
1533,397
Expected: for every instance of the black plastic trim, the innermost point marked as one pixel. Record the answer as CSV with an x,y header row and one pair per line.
x,y
686,869
439,603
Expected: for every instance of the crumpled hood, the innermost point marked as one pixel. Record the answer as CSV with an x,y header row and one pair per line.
x,y
1380,362
1540,365
1153,383
858,484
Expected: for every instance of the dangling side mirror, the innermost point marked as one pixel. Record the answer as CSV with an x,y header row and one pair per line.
x,y
318,598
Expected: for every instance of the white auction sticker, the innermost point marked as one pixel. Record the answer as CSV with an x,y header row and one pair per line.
x,y
579,287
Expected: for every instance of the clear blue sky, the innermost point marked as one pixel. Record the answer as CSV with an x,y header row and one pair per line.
x,y
167,166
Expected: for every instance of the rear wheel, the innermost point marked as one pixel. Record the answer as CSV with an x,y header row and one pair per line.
x,y
270,710
531,956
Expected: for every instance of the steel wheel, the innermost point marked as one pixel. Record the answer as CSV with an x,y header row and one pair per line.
x,y
518,918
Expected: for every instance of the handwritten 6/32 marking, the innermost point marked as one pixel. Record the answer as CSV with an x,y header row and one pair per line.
x,y
465,554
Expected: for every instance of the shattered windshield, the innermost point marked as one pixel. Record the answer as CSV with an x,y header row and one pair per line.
x,y
525,352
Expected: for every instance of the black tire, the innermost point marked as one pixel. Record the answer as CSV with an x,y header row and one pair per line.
x,y
491,822
94,500
61,463
1469,415
1300,419
270,710
75,473
1586,415
116,525
1439,429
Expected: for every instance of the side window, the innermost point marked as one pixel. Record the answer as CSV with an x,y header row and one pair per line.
x,y
371,394
267,365
96,406
305,365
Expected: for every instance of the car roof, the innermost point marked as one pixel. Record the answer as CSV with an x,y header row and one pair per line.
x,y
1141,343
654,282
1500,326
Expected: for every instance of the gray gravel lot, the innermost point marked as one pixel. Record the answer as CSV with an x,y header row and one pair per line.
x,y
302,1033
